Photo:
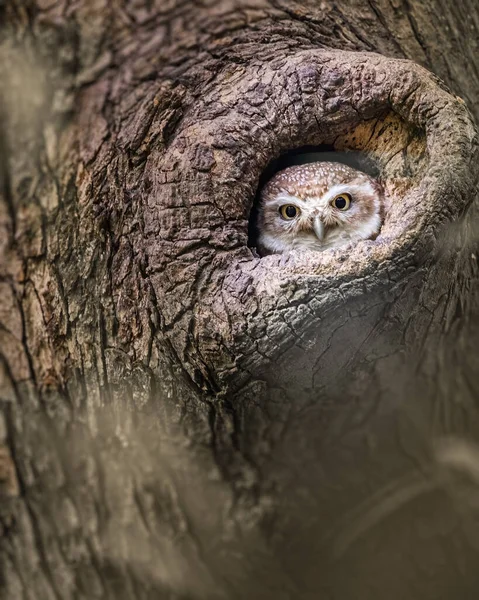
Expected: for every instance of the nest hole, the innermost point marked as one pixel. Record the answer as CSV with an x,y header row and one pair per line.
x,y
385,148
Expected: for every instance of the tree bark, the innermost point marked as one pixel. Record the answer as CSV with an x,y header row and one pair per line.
x,y
181,418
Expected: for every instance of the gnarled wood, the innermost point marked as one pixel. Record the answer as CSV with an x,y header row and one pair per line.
x,y
181,418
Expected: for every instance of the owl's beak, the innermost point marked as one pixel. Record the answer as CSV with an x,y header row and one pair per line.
x,y
318,228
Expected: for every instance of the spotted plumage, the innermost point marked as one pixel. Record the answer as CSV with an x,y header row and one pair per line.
x,y
318,206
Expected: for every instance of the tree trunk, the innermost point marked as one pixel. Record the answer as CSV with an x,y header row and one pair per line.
x,y
179,417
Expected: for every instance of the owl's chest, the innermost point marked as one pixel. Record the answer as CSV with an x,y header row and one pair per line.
x,y
334,238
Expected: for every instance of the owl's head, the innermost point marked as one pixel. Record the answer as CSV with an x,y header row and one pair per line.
x,y
318,206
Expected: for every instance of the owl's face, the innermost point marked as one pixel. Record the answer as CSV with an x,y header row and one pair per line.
x,y
318,206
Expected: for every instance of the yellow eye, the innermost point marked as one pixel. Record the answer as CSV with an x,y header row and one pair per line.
x,y
342,202
289,211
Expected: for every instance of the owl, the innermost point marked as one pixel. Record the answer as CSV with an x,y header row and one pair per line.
x,y
318,206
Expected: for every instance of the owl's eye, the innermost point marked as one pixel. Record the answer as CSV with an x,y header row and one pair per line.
x,y
342,202
289,211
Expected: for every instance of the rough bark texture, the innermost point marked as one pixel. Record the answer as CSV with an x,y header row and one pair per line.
x,y
179,417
